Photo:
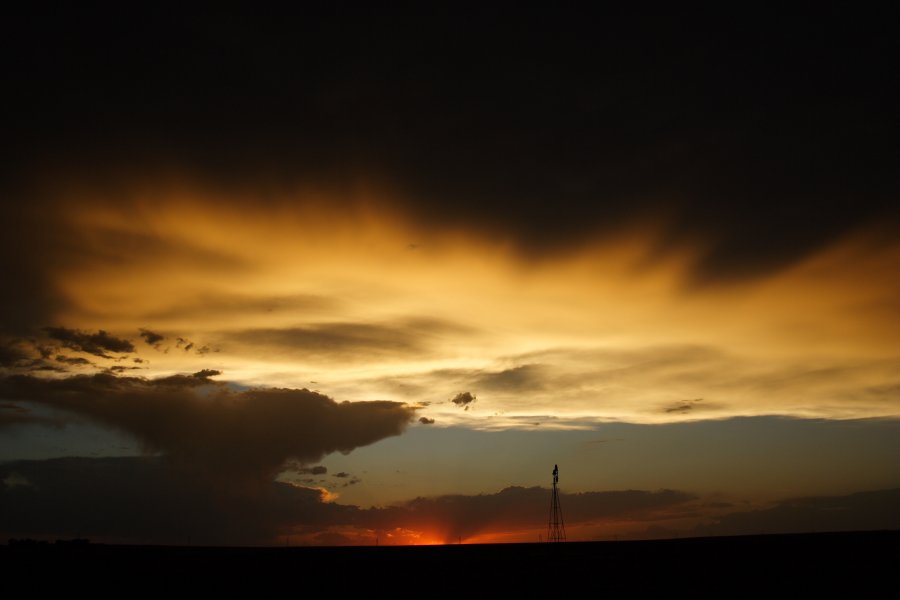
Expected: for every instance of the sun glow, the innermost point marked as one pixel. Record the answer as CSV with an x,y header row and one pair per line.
x,y
351,299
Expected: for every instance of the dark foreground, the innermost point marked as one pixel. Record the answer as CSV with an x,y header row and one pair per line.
x,y
845,563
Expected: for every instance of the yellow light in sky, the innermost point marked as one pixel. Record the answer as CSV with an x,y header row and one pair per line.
x,y
355,301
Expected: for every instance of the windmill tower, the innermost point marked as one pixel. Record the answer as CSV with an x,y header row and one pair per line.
x,y
556,530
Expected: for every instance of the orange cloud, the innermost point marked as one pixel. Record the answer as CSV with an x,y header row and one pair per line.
x,y
349,293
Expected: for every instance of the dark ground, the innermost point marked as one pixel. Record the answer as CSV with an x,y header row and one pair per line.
x,y
847,564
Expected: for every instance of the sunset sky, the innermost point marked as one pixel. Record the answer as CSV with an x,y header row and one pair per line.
x,y
349,276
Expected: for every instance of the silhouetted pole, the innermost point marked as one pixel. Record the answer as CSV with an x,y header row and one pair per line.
x,y
556,530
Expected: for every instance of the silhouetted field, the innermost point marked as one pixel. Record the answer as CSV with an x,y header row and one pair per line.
x,y
846,563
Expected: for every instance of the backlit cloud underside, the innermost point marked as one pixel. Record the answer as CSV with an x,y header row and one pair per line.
x,y
346,296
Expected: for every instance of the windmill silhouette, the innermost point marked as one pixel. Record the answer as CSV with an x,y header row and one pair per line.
x,y
556,530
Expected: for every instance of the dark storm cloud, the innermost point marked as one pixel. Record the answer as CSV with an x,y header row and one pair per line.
x,y
197,424
426,421
145,500
97,344
864,511
152,338
763,138
463,399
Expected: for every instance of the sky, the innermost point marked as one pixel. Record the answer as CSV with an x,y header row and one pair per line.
x,y
358,276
